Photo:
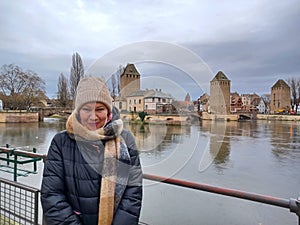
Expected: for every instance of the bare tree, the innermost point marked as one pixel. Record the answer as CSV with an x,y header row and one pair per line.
x,y
11,78
34,89
22,88
114,86
295,92
115,82
62,93
77,72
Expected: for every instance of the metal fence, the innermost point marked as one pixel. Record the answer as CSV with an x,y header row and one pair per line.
x,y
15,157
292,204
18,203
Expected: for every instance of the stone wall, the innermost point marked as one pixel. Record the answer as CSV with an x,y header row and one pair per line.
x,y
19,117
278,117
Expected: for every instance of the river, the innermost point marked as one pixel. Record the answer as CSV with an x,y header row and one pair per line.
x,y
255,156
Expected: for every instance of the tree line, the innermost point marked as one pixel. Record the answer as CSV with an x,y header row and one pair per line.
x,y
22,89
294,84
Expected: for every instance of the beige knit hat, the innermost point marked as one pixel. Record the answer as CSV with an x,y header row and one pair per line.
x,y
92,89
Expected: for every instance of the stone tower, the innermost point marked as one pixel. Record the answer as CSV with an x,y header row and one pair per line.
x,y
129,80
219,100
280,97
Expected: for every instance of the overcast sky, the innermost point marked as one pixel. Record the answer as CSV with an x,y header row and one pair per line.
x,y
172,42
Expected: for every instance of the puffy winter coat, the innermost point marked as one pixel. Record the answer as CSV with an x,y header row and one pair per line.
x,y
71,183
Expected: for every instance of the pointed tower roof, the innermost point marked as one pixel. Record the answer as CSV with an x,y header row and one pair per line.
x,y
220,76
130,69
280,84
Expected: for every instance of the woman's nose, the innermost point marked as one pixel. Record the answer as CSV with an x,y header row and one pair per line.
x,y
93,115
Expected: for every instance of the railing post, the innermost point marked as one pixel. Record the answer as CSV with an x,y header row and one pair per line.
x,y
15,167
36,208
7,155
34,163
295,207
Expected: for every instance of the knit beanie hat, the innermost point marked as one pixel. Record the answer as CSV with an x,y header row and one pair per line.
x,y
92,89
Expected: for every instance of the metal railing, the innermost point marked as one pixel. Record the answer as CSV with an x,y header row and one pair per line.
x,y
19,157
18,203
14,209
292,204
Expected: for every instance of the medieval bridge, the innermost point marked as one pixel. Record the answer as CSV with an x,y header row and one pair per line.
x,y
50,111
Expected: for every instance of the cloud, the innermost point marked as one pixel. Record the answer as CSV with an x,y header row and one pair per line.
x,y
249,41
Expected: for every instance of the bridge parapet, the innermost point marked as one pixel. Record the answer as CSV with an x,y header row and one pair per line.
x,y
50,111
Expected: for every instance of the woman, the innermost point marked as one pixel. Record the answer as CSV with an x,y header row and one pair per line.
x,y
92,175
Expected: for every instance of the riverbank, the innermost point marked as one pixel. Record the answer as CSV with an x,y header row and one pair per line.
x,y
19,117
170,119
234,117
279,117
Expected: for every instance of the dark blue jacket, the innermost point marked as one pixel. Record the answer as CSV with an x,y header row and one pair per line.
x,y
71,184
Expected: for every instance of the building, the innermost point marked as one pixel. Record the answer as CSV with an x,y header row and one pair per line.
x,y
157,101
280,100
129,80
263,106
250,102
132,99
219,101
150,101
135,101
236,103
203,102
246,100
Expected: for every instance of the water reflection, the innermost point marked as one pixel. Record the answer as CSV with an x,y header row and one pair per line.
x,y
258,156
285,140
29,135
158,143
214,139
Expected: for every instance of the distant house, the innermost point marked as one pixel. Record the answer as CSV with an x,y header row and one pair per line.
x,y
246,100
135,101
263,106
236,103
250,102
150,101
255,100
203,102
157,101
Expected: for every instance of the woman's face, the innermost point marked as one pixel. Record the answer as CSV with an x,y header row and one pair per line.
x,y
93,115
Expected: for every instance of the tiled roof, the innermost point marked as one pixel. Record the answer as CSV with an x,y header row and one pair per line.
x,y
158,94
137,93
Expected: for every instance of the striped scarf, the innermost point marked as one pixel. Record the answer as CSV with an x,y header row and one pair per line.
x,y
111,134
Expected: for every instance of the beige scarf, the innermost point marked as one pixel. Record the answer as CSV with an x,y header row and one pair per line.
x,y
111,155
